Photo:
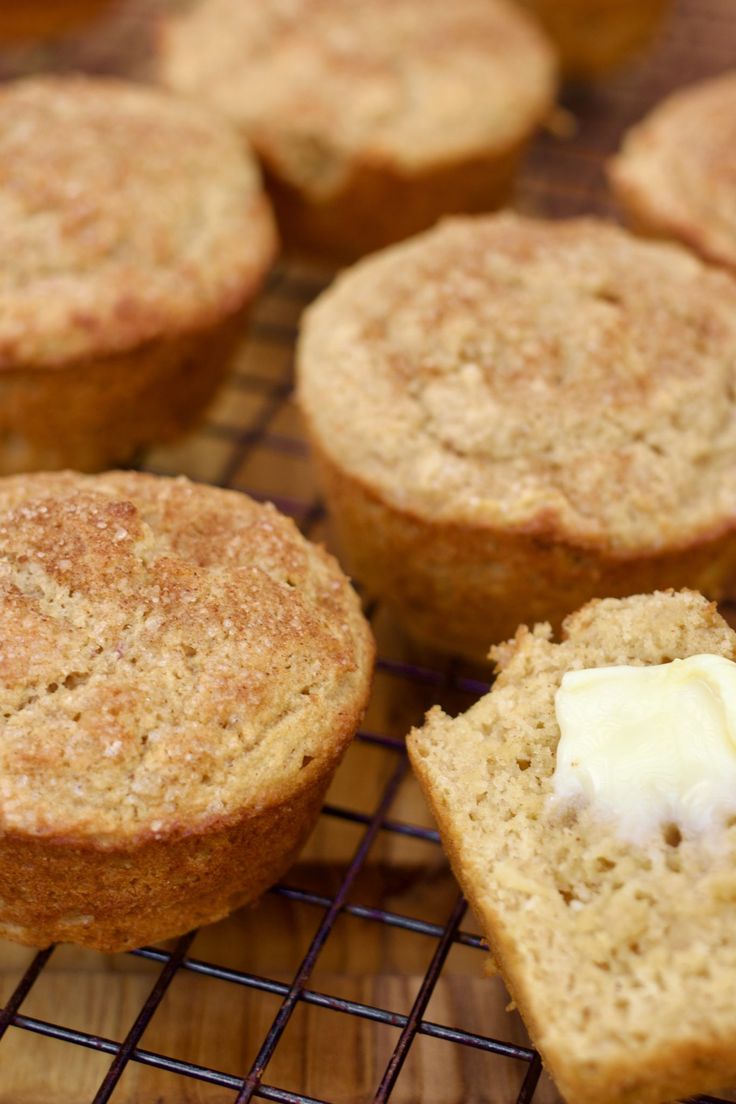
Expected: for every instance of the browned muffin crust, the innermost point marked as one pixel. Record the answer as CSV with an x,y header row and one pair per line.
x,y
513,416
594,36
675,175
180,673
29,19
132,226
371,120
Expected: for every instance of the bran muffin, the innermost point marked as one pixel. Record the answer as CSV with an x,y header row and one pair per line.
x,y
675,175
639,939
594,36
134,234
180,673
513,416
371,120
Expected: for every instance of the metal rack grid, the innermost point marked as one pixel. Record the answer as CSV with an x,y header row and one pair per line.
x,y
564,176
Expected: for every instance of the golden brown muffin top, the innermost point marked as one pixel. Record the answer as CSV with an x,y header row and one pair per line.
x,y
677,168
317,84
556,378
125,215
173,656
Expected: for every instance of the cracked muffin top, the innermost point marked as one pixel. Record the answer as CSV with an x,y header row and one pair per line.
x,y
317,84
125,215
639,937
173,657
562,379
676,171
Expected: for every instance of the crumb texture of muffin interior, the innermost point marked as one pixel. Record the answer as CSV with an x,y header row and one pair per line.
x,y
408,84
174,657
125,215
560,378
636,938
676,172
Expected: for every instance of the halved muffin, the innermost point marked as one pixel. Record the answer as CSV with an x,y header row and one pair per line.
x,y
618,952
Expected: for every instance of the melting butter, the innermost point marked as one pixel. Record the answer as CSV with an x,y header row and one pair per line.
x,y
650,746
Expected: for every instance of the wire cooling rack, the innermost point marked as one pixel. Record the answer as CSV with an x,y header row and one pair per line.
x,y
252,442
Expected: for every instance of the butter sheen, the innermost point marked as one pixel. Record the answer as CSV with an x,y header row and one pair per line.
x,y
650,747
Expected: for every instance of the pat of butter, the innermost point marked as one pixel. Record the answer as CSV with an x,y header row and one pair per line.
x,y
650,746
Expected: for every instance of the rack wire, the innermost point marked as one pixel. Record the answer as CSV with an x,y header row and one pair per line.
x,y
252,434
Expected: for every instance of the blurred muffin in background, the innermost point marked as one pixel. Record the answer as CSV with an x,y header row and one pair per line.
x,y
29,19
593,36
371,119
512,416
675,175
133,234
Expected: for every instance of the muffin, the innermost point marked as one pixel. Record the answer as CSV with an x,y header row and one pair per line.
x,y
370,119
513,416
675,175
134,234
593,36
180,673
619,955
